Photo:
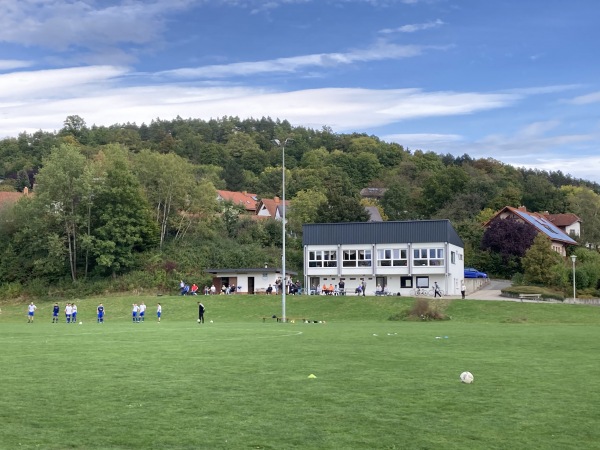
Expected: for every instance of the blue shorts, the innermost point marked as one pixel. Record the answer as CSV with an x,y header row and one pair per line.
x,y
55,314
142,314
30,313
158,314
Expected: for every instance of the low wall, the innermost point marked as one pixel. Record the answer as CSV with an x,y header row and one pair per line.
x,y
474,284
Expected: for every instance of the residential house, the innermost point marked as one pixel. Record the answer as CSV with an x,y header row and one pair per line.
x,y
570,224
400,255
272,207
373,193
542,224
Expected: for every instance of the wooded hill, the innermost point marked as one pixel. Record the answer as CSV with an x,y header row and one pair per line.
x,y
134,206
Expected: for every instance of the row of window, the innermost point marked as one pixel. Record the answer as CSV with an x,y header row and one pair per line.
x,y
386,257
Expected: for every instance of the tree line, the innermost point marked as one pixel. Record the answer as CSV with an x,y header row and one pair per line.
x,y
128,205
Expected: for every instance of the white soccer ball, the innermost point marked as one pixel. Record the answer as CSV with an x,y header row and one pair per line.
x,y
80,323
466,377
211,321
198,320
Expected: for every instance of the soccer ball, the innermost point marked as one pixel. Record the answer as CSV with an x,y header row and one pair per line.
x,y
198,320
466,377
211,321
80,323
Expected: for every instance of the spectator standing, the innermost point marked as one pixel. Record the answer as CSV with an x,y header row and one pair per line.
x,y
30,312
364,287
463,289
213,290
341,286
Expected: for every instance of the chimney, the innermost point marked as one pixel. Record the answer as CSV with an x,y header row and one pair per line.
x,y
522,208
276,199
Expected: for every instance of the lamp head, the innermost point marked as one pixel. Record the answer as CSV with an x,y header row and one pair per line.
x,y
573,258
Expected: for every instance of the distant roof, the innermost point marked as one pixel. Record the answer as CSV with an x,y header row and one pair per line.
x,y
246,270
414,231
540,222
7,198
273,205
246,199
562,220
372,192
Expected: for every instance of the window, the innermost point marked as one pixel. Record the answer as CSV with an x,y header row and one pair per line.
x,y
428,257
453,257
422,282
406,282
322,258
392,257
357,258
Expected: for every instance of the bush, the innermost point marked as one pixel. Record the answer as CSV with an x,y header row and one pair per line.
x,y
424,309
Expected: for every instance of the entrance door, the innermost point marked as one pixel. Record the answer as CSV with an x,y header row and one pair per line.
x,y
250,285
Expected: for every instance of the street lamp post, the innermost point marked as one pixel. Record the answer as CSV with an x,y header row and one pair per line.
x,y
284,283
573,258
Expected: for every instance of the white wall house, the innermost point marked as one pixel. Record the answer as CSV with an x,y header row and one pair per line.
x,y
399,255
248,280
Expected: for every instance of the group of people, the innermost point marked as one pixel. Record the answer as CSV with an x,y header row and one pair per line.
x,y
186,289
138,312
292,288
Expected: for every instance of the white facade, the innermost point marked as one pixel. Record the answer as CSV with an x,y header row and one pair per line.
x,y
401,267
248,281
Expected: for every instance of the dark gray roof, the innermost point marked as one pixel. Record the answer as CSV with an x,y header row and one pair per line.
x,y
414,231
245,270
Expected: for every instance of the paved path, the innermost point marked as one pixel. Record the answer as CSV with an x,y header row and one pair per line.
x,y
492,291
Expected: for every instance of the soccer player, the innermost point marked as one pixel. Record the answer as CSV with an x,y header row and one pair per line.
x,y
74,313
134,313
201,310
30,312
142,312
68,312
100,311
158,311
55,311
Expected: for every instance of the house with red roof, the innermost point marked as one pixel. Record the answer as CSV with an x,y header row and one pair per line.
x,y
245,199
9,198
559,239
272,207
569,223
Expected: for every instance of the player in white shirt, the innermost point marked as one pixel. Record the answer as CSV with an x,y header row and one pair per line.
x,y
134,313
30,312
158,311
68,312
142,308
74,313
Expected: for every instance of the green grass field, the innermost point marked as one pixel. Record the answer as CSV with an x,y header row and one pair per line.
x,y
241,383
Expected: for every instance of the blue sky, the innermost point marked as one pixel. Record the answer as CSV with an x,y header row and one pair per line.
x,y
513,80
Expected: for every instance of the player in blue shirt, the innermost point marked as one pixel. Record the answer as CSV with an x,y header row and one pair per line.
x,y
55,311
100,311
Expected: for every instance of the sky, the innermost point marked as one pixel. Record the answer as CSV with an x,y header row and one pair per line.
x,y
513,80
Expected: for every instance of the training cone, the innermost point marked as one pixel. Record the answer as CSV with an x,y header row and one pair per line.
x,y
312,375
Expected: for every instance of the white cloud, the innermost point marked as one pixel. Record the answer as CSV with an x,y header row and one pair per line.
x,y
411,28
381,50
593,97
66,24
10,64
42,99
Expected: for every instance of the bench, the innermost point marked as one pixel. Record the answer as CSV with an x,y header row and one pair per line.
x,y
530,296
